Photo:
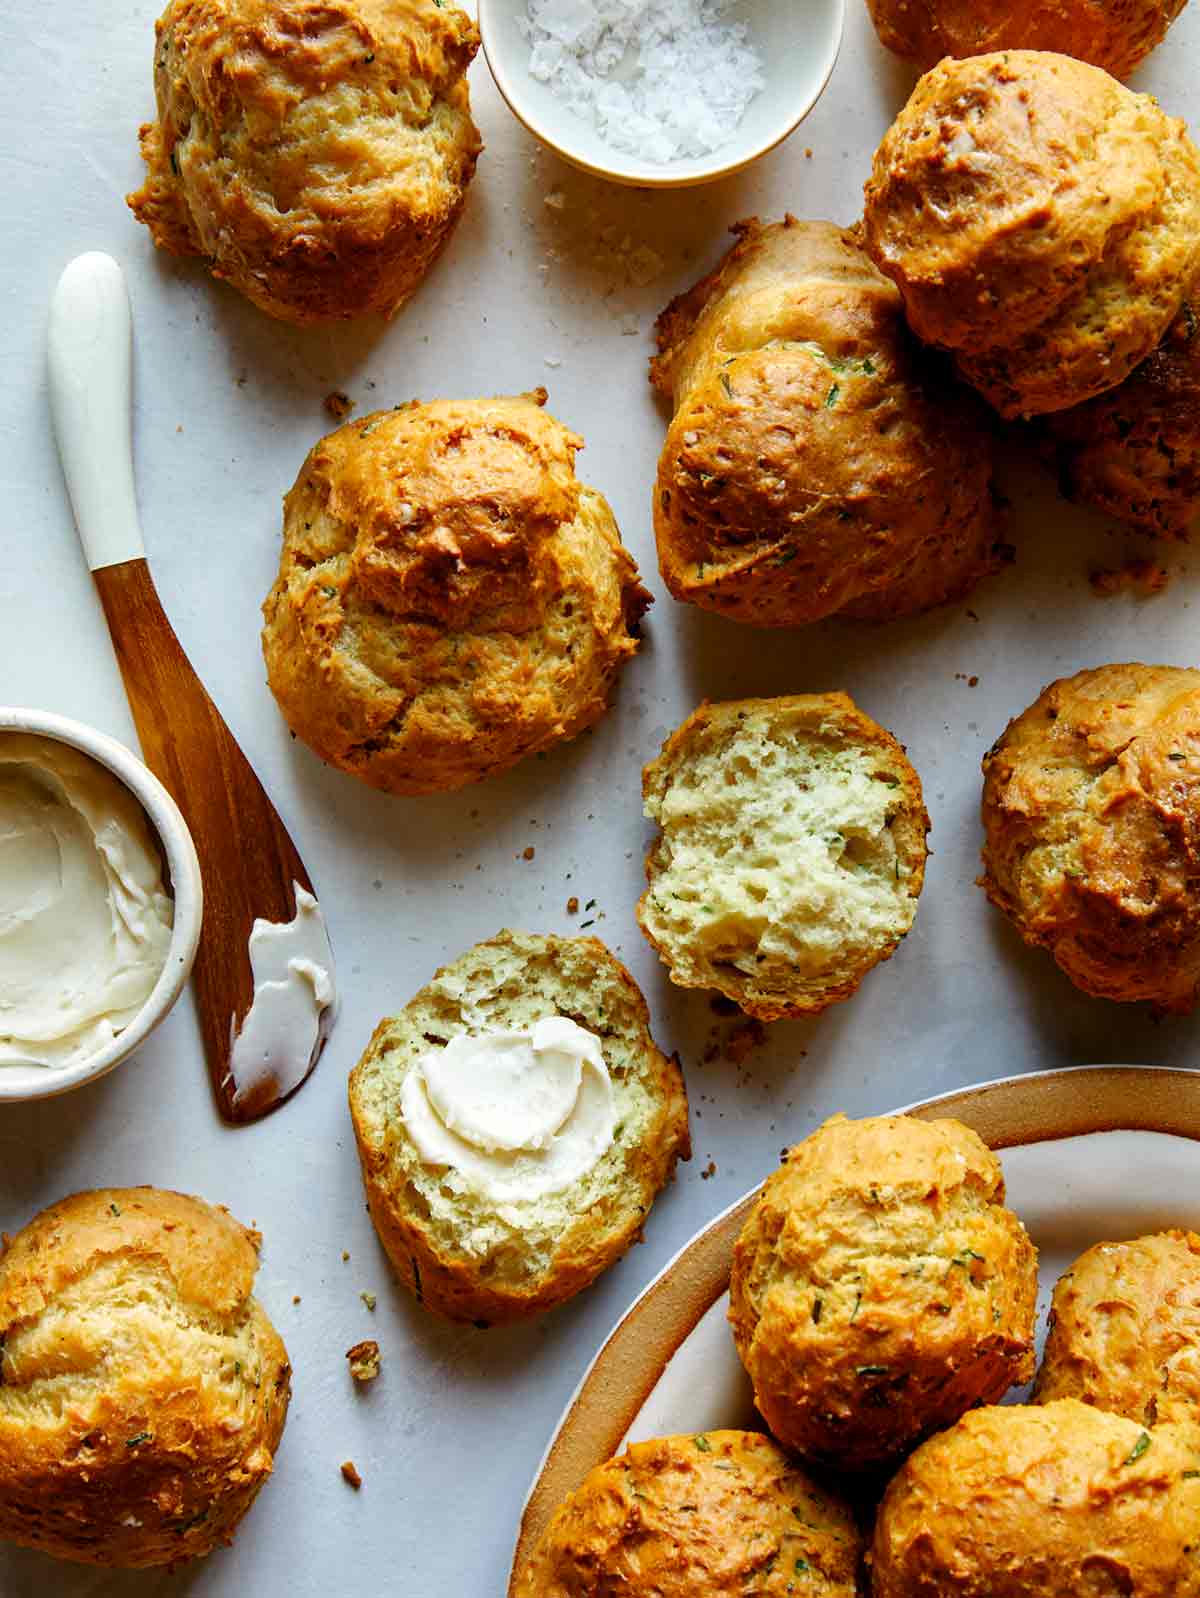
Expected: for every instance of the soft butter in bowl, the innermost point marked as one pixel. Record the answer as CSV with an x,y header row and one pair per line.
x,y
100,903
661,93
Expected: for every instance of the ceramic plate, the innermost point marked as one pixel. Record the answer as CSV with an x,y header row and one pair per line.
x,y
1109,1152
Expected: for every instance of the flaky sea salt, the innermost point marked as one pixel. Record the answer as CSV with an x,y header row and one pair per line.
x,y
660,79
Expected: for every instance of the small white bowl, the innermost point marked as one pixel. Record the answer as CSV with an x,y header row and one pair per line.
x,y
183,869
797,40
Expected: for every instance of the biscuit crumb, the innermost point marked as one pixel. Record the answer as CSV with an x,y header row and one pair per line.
x,y
572,906
709,1170
808,152
339,405
743,1039
350,1474
369,1300
295,1298
345,1255
1143,576
364,1360
528,852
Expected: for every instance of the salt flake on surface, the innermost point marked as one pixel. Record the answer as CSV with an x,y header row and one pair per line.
x,y
660,79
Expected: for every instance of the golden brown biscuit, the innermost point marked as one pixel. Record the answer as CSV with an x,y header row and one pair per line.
x,y
1061,1501
1135,451
459,1252
1125,1330
791,853
1113,34
880,1288
450,597
316,152
1040,221
724,1514
817,461
1091,816
143,1390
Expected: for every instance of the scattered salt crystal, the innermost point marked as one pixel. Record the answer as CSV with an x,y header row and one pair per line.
x,y
660,79
552,360
556,199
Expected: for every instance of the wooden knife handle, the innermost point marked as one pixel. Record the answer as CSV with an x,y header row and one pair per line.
x,y
249,862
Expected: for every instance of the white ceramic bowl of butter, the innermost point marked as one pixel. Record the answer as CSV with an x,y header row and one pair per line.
x,y
104,1045
797,42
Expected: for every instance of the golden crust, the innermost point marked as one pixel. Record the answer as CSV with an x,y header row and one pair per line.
x,y
1134,452
450,597
816,458
1042,1502
1091,815
1039,220
772,989
316,152
1113,34
721,1514
1125,1330
880,1288
516,1261
144,1391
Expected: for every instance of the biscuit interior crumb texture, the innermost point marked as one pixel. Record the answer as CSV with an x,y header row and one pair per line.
x,y
659,79
317,155
723,1514
143,1391
791,855
477,1260
450,597
880,1288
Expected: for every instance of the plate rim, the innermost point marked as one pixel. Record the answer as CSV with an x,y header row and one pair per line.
x,y
1007,1112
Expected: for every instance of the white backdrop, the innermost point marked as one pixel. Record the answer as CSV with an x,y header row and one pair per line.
x,y
227,403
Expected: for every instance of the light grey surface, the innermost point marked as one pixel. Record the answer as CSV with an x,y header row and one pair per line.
x,y
227,404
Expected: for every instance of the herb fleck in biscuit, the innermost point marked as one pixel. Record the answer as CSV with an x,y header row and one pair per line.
x,y
1091,817
316,152
723,1514
818,461
791,853
451,598
880,1288
143,1391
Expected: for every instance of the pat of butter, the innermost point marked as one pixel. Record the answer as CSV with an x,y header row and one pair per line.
x,y
85,920
516,1114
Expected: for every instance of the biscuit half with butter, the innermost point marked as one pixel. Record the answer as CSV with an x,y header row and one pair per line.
x,y
515,1122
